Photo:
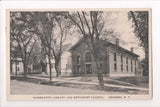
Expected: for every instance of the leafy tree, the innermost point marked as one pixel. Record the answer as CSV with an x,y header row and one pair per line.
x,y
21,40
140,24
52,28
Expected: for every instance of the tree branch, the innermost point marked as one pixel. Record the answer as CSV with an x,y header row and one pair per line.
x,y
31,49
87,23
76,24
81,21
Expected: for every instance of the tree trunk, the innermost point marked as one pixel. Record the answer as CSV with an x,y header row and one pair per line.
x,y
57,68
16,69
146,65
50,69
59,65
11,69
24,69
100,76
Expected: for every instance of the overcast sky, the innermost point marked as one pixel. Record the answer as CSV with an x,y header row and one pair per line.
x,y
127,38
119,23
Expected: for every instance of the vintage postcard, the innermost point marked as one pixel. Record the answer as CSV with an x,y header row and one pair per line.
x,y
79,54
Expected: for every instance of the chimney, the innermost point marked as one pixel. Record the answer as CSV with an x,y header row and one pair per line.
x,y
117,42
132,49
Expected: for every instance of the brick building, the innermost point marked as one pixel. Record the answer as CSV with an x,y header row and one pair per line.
x,y
113,59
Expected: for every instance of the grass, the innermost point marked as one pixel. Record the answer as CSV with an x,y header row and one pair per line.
x,y
136,81
139,81
95,87
83,86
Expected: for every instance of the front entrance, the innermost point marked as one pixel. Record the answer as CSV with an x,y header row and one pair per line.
x,y
88,69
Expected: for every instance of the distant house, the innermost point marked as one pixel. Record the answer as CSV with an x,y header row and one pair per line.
x,y
140,69
65,64
16,66
113,60
43,66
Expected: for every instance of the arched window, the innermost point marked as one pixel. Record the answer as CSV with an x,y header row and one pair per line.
x,y
100,62
88,63
78,64
88,57
78,59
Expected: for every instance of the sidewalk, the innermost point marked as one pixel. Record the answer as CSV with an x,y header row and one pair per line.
x,y
89,83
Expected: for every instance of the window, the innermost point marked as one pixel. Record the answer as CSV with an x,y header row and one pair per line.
x,y
88,69
122,67
115,62
115,57
135,66
131,66
78,59
127,64
88,63
126,60
78,68
88,57
121,58
127,68
115,67
121,63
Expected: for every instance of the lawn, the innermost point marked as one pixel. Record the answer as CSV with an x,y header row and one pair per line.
x,y
139,81
135,81
66,84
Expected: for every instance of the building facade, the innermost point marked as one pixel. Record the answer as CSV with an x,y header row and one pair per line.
x,y
113,60
16,66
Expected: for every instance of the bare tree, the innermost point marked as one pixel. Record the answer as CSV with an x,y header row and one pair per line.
x,y
63,26
90,25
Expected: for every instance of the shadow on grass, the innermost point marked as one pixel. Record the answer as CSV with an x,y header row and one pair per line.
x,y
95,87
80,86
116,83
140,81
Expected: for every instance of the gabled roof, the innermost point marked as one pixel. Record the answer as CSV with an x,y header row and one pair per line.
x,y
107,44
122,49
78,43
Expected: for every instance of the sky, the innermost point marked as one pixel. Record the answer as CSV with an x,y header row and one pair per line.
x,y
127,38
119,23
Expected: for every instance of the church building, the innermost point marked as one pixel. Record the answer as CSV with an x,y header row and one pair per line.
x,y
113,59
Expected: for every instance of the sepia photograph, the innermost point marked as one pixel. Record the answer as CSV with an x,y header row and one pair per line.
x,y
85,54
